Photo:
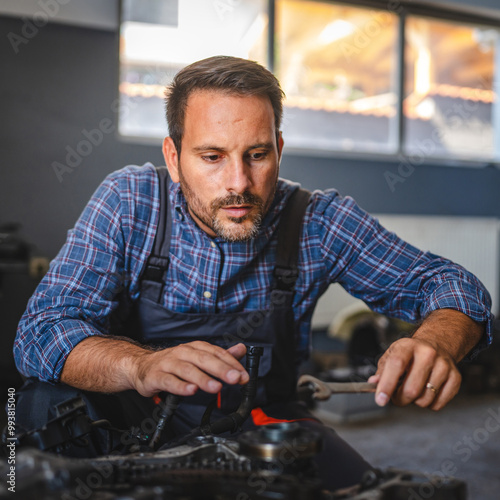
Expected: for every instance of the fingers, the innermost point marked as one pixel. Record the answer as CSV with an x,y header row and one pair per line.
x,y
448,391
392,367
413,371
443,392
433,384
413,385
174,385
155,381
216,361
188,367
238,350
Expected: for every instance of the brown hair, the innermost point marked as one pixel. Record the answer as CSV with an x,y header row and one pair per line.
x,y
231,75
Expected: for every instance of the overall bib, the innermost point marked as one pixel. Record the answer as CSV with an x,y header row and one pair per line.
x,y
272,328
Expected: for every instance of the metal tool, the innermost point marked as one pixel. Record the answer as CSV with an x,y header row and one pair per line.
x,y
169,405
323,390
233,421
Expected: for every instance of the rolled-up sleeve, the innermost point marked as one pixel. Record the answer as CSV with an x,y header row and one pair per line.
x,y
392,276
79,292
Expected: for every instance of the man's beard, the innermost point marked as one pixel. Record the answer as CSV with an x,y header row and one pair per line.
x,y
228,228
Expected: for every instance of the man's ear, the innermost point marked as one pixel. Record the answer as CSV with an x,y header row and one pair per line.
x,y
281,143
171,158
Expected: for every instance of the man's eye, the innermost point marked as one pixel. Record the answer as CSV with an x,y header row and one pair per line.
x,y
210,157
258,156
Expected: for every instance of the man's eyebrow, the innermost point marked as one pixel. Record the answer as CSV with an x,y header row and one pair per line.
x,y
261,145
207,147
211,147
267,146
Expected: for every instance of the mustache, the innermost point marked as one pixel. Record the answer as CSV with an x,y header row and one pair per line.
x,y
237,199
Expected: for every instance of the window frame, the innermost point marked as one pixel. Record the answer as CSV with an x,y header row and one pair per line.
x,y
403,9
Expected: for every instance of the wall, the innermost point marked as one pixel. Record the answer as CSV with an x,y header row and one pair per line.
x,y
101,14
59,84
479,6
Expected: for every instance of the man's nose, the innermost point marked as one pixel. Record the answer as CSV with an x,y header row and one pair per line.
x,y
238,178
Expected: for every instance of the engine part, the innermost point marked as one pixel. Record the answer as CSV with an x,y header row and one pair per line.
x,y
209,468
274,441
273,462
233,421
169,406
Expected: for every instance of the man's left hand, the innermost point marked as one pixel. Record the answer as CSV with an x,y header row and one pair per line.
x,y
422,369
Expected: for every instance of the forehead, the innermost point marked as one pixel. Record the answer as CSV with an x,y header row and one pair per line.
x,y
213,112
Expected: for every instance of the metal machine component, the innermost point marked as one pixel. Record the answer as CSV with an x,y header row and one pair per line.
x,y
208,468
275,441
323,390
233,421
274,462
70,424
248,392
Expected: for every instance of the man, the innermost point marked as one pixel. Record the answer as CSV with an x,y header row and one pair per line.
x,y
208,273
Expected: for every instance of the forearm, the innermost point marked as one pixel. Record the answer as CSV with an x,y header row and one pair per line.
x,y
393,277
451,331
106,364
103,364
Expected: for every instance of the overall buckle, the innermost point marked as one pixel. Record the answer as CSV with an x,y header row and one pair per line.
x,y
285,278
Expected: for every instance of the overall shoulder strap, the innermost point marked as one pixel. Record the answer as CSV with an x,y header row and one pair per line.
x,y
158,260
286,270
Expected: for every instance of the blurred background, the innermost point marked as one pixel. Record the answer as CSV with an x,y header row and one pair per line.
x,y
393,103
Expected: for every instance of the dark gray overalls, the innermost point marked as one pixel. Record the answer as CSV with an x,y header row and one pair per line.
x,y
273,329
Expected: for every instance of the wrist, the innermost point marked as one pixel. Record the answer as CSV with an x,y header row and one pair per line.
x,y
134,368
451,332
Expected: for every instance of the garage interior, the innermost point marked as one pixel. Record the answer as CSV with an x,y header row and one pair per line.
x,y
78,70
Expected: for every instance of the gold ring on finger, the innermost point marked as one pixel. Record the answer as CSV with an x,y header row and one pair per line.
x,y
431,387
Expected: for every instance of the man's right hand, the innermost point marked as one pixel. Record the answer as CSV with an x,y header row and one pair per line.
x,y
188,367
113,364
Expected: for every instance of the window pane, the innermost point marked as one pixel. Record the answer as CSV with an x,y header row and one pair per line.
x,y
449,95
337,66
159,37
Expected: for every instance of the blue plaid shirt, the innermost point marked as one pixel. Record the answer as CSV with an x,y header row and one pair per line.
x,y
107,249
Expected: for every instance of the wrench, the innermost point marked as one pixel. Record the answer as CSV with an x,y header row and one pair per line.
x,y
323,390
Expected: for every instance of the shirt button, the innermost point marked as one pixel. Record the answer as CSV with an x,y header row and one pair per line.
x,y
213,244
207,295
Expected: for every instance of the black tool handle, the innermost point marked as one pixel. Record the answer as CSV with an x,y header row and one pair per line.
x,y
169,405
253,356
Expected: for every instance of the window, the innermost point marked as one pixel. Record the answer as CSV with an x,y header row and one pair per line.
x,y
448,105
338,68
357,79
159,37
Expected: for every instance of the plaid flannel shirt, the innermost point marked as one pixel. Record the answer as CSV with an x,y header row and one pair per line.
x,y
107,249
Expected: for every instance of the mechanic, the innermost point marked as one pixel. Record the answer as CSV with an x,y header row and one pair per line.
x,y
155,293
